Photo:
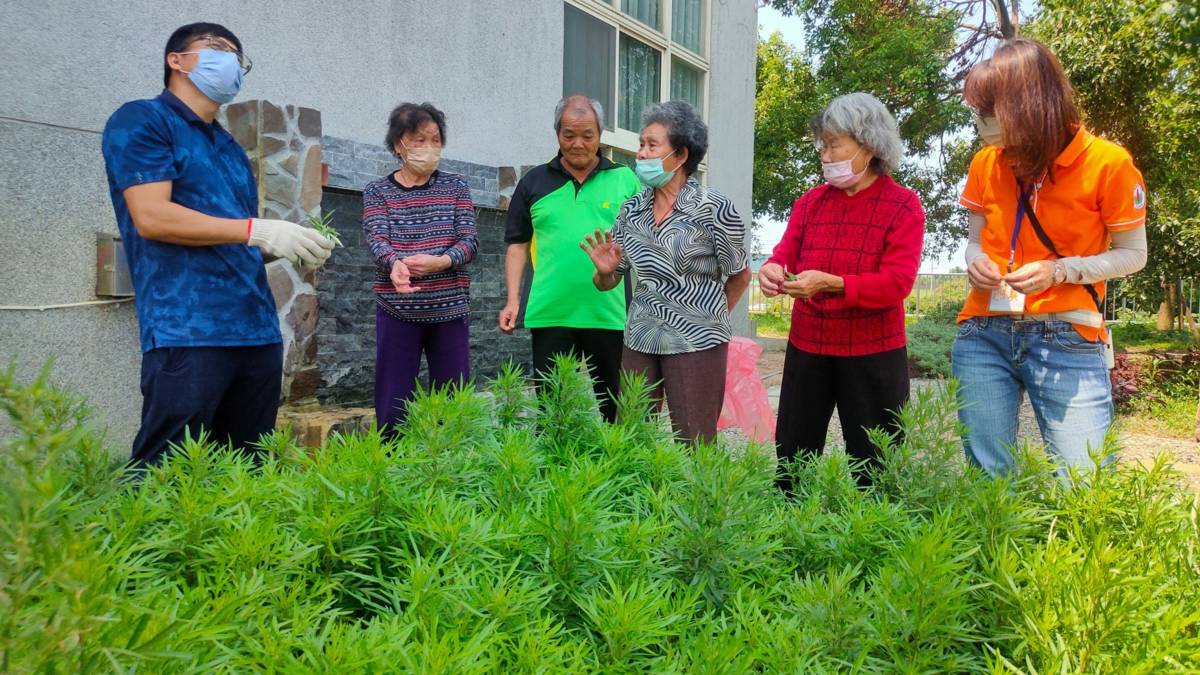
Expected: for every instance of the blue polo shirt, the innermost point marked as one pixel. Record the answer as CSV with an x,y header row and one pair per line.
x,y
189,296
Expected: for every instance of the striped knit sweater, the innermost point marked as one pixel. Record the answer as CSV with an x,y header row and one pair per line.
x,y
435,218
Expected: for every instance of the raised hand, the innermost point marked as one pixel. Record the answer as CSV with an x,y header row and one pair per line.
x,y
606,254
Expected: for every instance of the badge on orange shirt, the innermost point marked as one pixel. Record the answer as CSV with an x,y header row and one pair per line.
x,y
1007,300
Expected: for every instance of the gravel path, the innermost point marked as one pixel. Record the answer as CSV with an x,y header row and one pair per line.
x,y
1140,448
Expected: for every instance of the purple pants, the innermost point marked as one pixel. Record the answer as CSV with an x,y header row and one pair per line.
x,y
398,348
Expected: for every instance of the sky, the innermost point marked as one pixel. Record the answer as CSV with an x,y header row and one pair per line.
x,y
770,231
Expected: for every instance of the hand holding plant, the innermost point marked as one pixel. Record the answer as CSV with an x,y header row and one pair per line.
x,y
808,283
771,277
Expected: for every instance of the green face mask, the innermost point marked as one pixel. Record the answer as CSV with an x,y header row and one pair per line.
x,y
652,173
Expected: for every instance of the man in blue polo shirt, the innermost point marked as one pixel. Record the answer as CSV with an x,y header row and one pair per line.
x,y
186,205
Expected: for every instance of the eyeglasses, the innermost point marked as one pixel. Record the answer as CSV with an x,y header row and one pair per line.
x,y
222,45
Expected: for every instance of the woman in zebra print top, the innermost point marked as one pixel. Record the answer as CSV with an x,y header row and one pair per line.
x,y
684,243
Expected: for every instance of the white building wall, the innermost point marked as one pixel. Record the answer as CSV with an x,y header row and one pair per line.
x,y
494,67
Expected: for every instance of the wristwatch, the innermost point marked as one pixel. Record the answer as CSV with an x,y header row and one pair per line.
x,y
1060,272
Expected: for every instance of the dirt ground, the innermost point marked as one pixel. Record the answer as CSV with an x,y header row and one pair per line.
x,y
1140,448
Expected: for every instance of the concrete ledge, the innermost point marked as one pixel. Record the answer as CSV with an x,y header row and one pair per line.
x,y
312,427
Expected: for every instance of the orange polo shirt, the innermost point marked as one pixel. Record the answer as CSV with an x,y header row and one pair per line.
x,y
1096,190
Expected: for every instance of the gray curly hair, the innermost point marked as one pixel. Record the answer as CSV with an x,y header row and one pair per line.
x,y
685,129
867,120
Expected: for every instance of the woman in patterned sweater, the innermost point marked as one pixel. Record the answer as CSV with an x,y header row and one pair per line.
x,y
420,226
684,244
849,257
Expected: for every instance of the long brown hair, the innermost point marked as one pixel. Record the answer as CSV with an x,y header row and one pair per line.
x,y
1024,86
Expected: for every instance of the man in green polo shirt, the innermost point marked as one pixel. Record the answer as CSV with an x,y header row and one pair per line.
x,y
553,207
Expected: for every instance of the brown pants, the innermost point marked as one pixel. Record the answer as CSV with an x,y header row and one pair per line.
x,y
692,384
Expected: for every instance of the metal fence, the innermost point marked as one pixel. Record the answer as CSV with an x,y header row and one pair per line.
x,y
1120,306
933,289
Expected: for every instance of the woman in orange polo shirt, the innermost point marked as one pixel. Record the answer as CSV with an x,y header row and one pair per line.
x,y
1055,211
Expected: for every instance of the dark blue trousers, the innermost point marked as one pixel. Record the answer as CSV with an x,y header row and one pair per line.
x,y
232,393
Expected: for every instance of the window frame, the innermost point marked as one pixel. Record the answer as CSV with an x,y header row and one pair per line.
x,y
609,12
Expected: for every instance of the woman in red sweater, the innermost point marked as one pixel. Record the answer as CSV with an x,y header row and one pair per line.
x,y
849,257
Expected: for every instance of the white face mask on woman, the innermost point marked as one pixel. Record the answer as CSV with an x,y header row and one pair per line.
x,y
990,131
841,174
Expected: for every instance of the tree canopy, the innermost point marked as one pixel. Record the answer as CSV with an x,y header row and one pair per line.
x,y
900,51
1132,63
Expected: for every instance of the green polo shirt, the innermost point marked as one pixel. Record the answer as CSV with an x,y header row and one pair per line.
x,y
554,213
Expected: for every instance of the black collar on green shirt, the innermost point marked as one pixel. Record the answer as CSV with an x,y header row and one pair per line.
x,y
602,165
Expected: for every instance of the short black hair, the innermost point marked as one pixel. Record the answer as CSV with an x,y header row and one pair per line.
x,y
408,117
184,35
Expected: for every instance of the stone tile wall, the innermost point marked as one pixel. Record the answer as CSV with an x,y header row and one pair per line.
x,y
283,143
353,164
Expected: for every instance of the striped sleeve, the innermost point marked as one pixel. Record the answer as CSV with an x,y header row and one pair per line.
x,y
729,233
618,235
467,245
376,230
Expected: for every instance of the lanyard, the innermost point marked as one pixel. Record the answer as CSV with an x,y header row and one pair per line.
x,y
1023,196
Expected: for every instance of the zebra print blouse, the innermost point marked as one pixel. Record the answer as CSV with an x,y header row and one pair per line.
x,y
680,268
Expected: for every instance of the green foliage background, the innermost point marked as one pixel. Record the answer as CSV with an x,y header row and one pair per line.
x,y
1133,64
898,51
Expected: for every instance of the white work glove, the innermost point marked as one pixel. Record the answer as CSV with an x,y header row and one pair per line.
x,y
282,239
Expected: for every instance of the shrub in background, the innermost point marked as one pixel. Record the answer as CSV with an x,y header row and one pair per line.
x,y
930,339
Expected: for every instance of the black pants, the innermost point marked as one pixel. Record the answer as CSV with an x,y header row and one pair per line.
x,y
230,392
600,346
867,390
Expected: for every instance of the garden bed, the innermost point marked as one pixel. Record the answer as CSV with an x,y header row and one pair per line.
x,y
514,534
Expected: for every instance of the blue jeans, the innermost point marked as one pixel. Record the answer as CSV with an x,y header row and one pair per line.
x,y
997,358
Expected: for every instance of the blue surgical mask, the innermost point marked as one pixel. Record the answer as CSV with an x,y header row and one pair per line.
x,y
652,173
217,75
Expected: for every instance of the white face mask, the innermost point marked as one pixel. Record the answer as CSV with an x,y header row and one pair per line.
x,y
841,174
989,131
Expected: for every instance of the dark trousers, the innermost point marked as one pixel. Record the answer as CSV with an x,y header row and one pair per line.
x,y
232,393
692,384
600,346
867,390
398,349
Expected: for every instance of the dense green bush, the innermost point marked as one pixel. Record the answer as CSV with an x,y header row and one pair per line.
x,y
930,339
513,534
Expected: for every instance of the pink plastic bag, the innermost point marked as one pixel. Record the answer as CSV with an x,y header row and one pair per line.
x,y
746,405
